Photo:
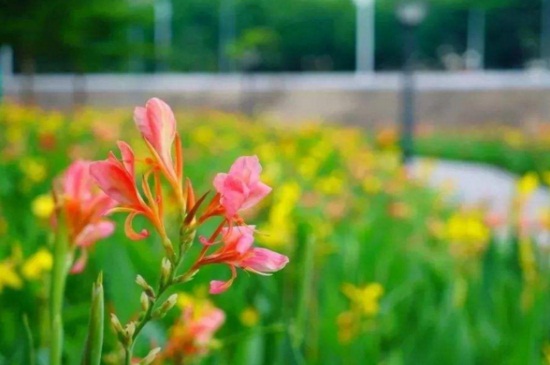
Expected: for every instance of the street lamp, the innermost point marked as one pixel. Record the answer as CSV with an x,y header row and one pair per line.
x,y
410,14
364,37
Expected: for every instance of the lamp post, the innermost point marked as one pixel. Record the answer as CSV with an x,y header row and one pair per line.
x,y
364,36
410,15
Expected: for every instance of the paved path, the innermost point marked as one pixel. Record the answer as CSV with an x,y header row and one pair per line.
x,y
478,183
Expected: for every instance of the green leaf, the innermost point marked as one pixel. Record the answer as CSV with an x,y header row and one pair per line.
x,y
94,340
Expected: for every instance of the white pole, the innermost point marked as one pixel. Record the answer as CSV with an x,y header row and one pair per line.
x,y
365,31
475,55
163,32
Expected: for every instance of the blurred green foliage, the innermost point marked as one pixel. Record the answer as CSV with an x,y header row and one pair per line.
x,y
106,36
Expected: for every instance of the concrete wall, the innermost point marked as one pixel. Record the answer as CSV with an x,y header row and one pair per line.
x,y
443,98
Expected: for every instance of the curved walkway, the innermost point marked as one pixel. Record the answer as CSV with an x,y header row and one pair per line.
x,y
475,184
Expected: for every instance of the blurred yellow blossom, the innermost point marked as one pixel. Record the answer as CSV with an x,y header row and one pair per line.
x,y
365,298
308,167
467,226
33,169
280,225
43,206
37,264
372,184
8,276
527,184
364,306
330,185
513,137
249,317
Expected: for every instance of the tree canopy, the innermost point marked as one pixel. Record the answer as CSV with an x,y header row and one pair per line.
x,y
290,35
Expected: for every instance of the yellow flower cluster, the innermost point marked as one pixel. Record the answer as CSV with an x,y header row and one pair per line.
x,y
467,233
14,268
278,232
364,305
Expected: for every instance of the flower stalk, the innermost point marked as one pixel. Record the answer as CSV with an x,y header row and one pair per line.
x,y
61,263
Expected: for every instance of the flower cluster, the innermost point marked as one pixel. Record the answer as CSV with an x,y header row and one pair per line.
x,y
192,335
364,305
230,243
237,190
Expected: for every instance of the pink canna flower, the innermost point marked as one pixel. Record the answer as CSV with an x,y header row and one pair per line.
x,y
84,206
241,188
237,252
193,334
117,179
157,125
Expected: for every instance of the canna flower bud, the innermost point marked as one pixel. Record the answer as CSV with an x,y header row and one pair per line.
x,y
146,287
116,323
166,306
121,334
165,272
144,300
151,356
130,330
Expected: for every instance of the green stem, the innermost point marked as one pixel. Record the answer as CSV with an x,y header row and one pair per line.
x,y
61,262
305,293
162,288
128,355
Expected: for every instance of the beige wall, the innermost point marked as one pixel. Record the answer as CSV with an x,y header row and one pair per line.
x,y
447,99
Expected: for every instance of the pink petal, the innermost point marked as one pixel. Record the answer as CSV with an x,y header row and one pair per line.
x,y
247,168
115,182
127,156
219,182
233,195
157,124
257,193
217,286
94,232
264,261
76,180
239,238
80,263
203,330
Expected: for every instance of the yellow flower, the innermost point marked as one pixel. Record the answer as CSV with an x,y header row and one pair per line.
x,y
513,137
249,317
43,206
37,264
280,226
527,184
366,298
330,185
8,276
33,169
467,227
308,167
372,184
